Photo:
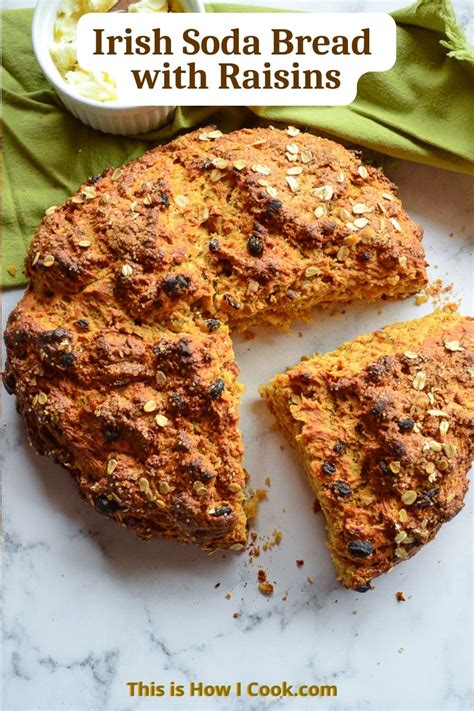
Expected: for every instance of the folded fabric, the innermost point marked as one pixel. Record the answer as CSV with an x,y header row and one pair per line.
x,y
420,110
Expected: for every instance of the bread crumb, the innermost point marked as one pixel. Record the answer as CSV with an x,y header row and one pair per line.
x,y
452,306
400,597
252,502
11,270
421,299
266,588
275,541
437,292
299,563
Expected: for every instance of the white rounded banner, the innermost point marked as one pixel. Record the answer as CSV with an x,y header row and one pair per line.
x,y
259,59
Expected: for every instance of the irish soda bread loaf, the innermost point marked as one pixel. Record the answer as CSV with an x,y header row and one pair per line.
x,y
119,352
384,428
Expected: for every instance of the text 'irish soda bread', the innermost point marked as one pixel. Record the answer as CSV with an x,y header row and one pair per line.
x,y
119,353
384,427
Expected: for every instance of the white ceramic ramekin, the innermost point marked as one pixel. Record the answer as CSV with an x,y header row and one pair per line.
x,y
109,117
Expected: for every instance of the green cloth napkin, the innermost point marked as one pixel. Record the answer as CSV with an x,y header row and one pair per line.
x,y
422,110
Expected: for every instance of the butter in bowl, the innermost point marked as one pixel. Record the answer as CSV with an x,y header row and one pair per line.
x,y
92,96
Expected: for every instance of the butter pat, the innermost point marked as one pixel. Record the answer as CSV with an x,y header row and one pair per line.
x,y
93,85
149,6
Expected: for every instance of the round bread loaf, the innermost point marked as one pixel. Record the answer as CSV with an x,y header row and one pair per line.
x,y
119,352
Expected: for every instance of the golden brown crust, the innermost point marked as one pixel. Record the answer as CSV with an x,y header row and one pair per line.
x,y
146,421
384,426
193,235
160,257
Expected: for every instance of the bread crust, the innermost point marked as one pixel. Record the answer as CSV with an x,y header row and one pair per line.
x,y
384,426
145,269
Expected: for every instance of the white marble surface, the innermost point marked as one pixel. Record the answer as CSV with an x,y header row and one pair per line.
x,y
88,607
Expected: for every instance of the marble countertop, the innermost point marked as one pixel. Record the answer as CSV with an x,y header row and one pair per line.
x,y
89,608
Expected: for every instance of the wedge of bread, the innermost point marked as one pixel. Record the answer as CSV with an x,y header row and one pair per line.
x,y
384,427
